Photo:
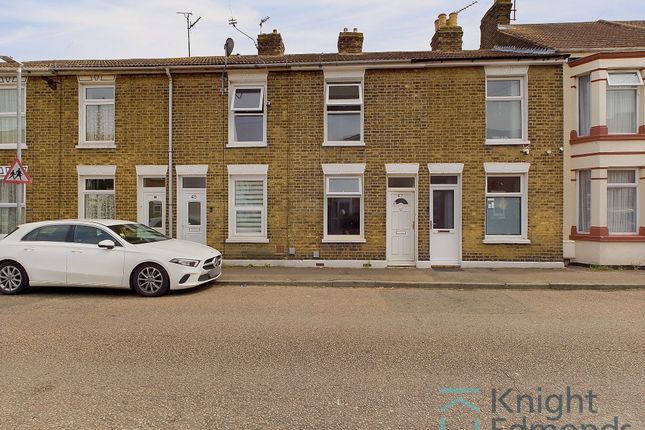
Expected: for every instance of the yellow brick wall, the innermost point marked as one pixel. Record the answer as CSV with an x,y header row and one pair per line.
x,y
434,115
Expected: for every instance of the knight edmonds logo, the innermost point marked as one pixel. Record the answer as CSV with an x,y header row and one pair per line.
x,y
537,410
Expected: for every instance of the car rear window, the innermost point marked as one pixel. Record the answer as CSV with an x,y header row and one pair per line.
x,y
48,233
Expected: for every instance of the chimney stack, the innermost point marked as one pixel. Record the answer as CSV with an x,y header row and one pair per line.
x,y
448,35
350,42
498,14
270,44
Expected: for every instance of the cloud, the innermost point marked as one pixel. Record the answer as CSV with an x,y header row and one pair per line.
x,y
39,29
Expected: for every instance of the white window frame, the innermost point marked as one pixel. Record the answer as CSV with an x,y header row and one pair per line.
x,y
88,83
505,74
23,204
344,171
578,105
250,80
247,172
8,83
636,203
622,87
346,82
94,172
509,170
579,201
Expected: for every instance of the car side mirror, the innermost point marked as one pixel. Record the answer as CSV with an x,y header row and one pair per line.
x,y
107,244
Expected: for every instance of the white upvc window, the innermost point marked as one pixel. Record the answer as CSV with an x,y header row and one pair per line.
x,y
344,113
622,101
96,199
8,109
248,116
506,203
344,203
584,105
9,206
622,201
507,105
96,114
584,201
247,203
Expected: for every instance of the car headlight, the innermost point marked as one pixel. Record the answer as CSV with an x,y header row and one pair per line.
x,y
185,262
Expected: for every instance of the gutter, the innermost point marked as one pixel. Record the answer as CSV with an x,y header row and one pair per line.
x,y
171,207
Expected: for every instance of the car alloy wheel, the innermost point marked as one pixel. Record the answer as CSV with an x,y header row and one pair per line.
x,y
13,279
150,280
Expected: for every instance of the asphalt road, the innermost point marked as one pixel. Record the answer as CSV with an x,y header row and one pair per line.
x,y
298,357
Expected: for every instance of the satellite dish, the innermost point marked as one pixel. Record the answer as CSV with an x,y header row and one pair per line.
x,y
228,46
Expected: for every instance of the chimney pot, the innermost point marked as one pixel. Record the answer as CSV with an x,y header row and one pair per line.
x,y
442,20
350,42
448,35
345,29
452,20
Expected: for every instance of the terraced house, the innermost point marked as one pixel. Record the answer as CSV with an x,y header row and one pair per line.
x,y
604,117
431,158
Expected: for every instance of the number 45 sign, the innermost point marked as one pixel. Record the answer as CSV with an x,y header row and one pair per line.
x,y
17,174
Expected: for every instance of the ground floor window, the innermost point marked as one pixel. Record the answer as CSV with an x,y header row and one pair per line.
x,y
97,198
506,202
247,203
9,207
584,201
622,190
344,207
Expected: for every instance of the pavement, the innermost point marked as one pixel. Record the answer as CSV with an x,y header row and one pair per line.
x,y
296,357
572,277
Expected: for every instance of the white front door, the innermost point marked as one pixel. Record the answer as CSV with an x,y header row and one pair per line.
x,y
445,231
401,232
154,210
192,215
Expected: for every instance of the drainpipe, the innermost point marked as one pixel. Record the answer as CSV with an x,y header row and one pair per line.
x,y
171,206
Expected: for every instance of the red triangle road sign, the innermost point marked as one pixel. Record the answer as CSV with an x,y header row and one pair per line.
x,y
17,174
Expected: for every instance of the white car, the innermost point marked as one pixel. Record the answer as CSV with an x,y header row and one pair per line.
x,y
105,253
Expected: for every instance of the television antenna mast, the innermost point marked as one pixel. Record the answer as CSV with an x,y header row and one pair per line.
x,y
466,7
233,22
262,21
189,25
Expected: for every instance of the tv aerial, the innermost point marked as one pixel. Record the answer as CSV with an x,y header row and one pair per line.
x,y
189,25
233,22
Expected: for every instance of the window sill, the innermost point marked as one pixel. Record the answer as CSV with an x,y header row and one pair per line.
x,y
344,240
501,142
343,144
247,240
247,145
12,146
507,240
106,145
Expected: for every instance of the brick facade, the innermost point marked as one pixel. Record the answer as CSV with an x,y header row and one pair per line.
x,y
414,115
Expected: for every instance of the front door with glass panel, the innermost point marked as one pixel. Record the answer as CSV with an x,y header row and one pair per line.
x,y
153,203
192,209
401,217
445,228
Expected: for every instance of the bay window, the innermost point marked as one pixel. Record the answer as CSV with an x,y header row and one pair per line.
x,y
622,102
584,105
247,202
622,201
8,109
584,201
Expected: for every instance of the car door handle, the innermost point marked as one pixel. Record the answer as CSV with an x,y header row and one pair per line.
x,y
77,252
29,249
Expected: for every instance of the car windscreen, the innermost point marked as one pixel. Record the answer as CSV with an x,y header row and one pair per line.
x,y
137,233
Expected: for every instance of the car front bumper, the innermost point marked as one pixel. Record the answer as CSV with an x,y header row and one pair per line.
x,y
183,277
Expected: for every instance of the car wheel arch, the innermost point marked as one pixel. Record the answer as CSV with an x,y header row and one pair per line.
x,y
144,263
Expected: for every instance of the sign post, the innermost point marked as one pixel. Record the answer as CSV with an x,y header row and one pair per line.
x,y
19,186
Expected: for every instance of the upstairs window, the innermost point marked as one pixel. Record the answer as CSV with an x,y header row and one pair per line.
x,y
344,113
622,102
505,110
248,115
8,109
584,105
97,114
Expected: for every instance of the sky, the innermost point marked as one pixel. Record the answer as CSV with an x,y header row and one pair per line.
x,y
88,29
